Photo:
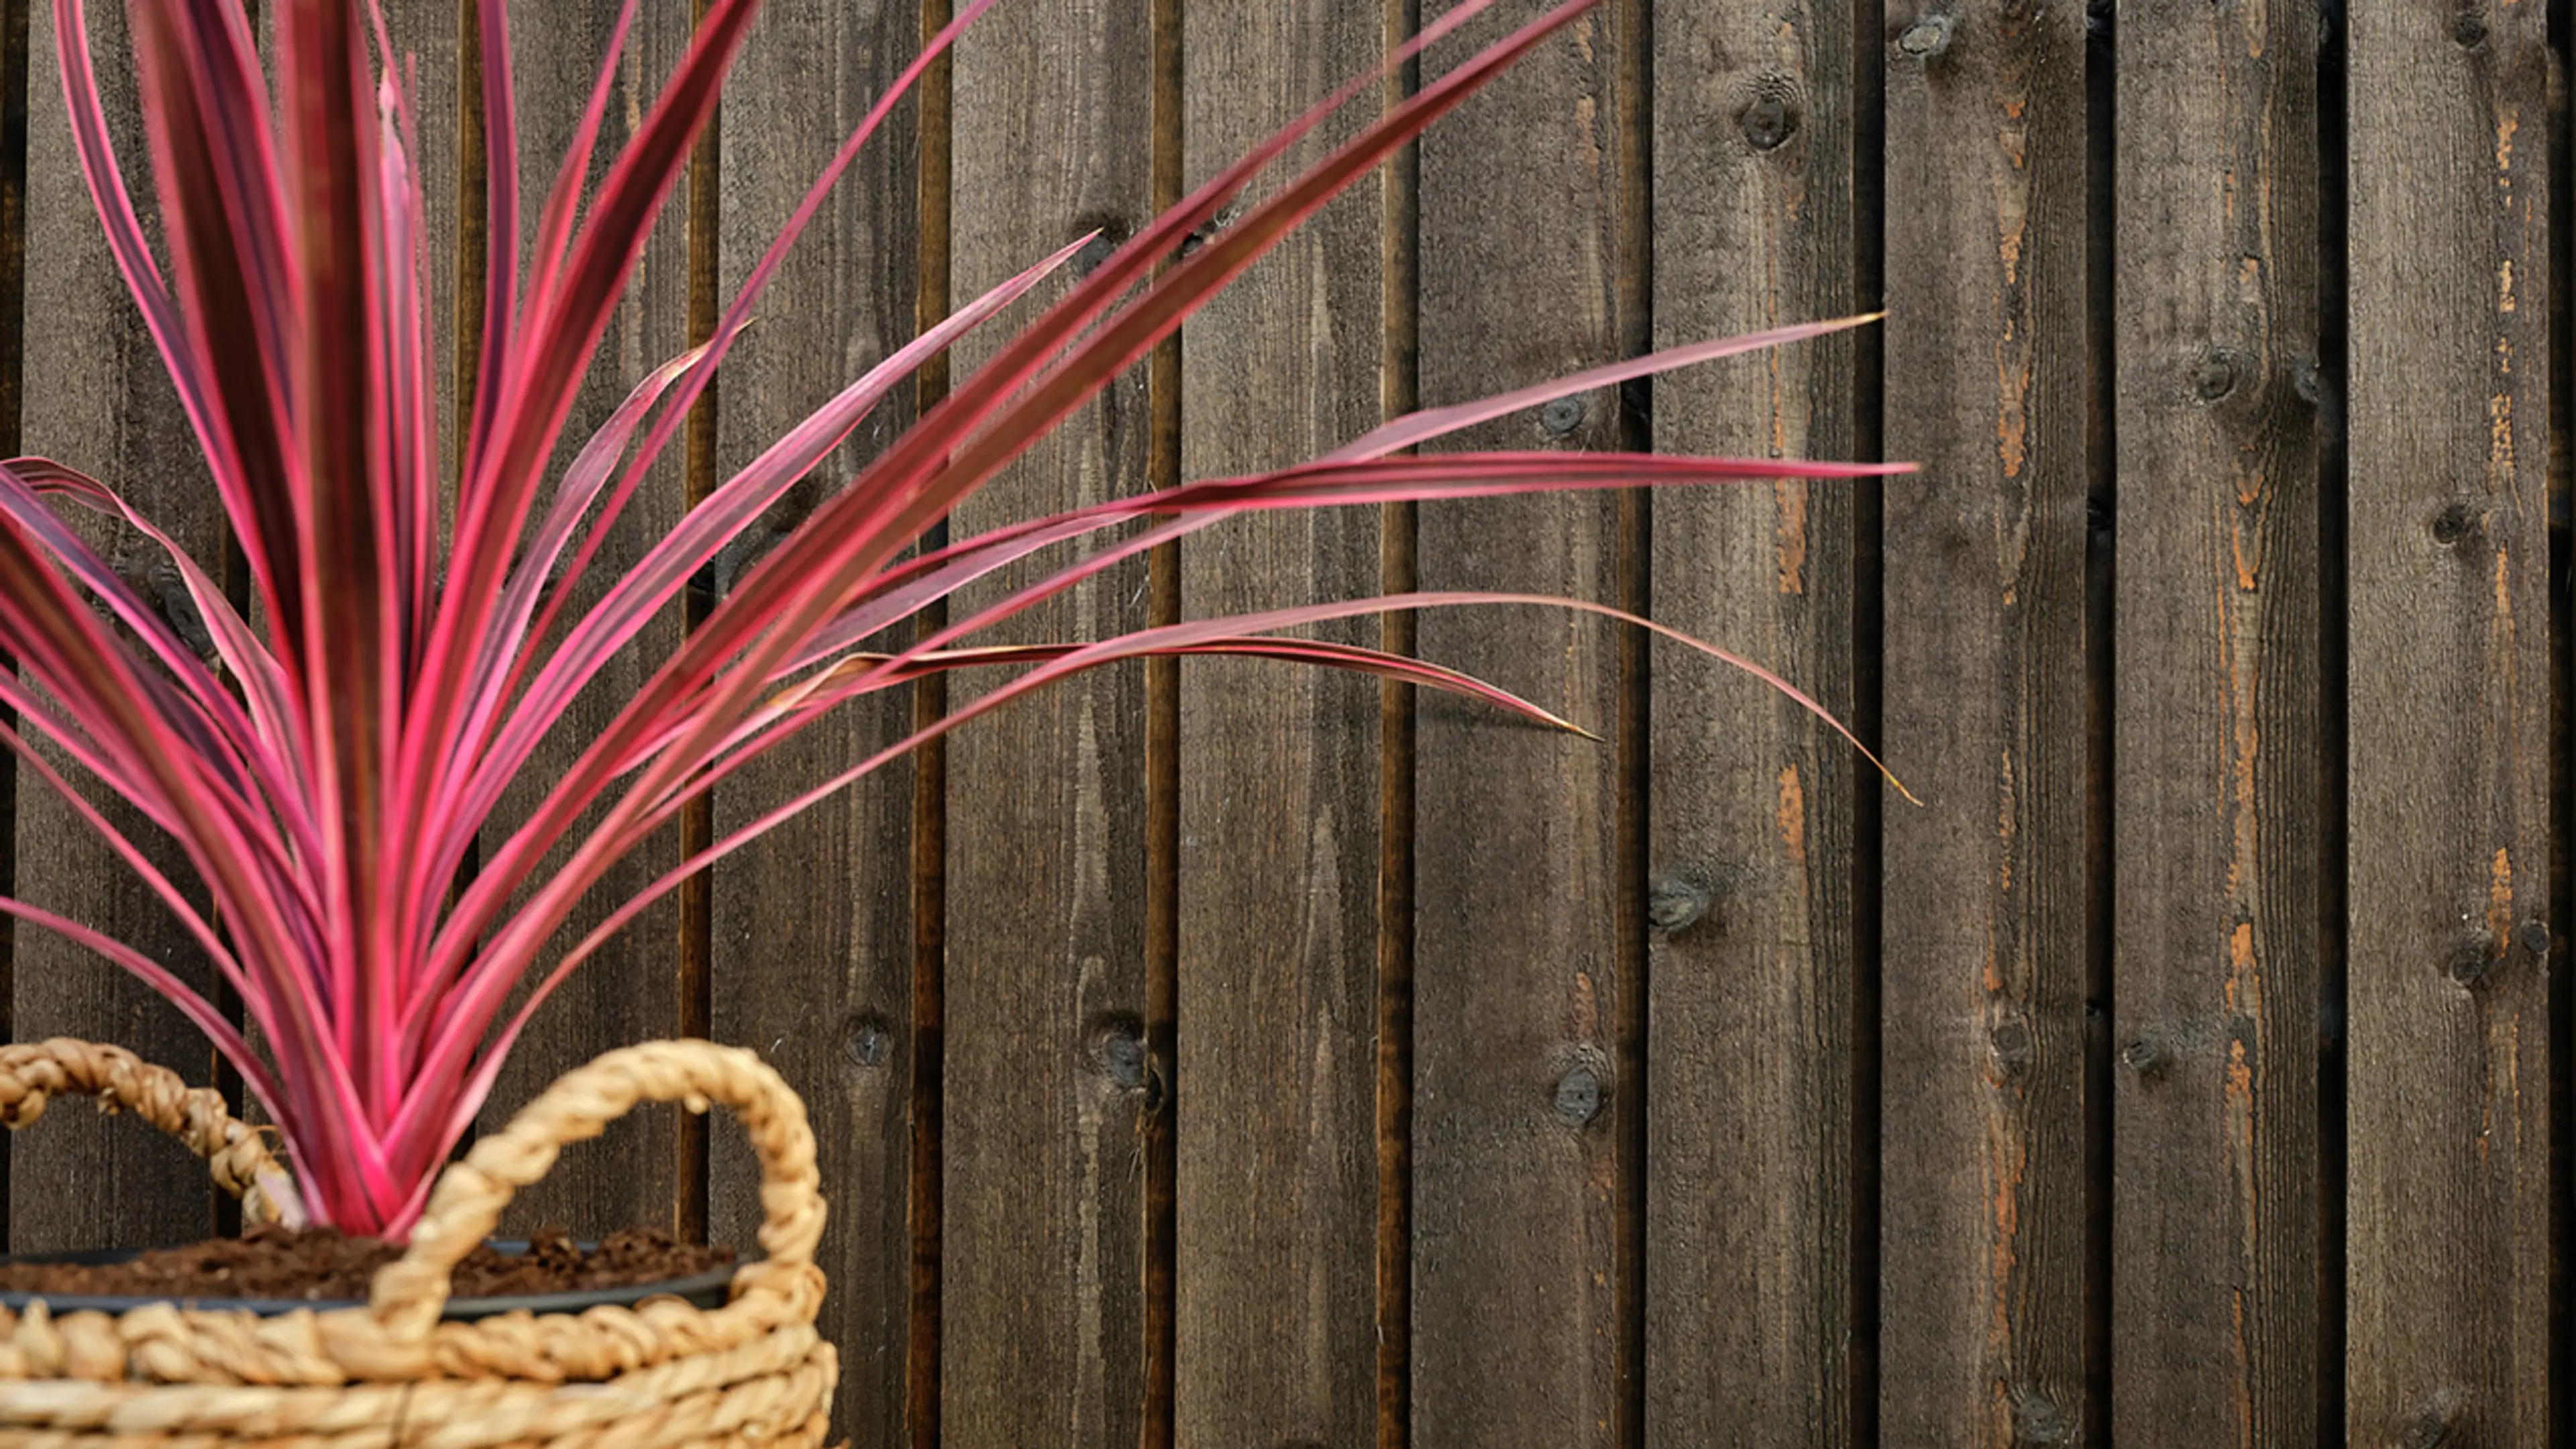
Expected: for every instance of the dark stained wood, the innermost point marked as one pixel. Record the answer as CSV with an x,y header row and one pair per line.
x,y
101,403
630,991
14,35
811,932
1048,1081
1982,1287
1519,964
2214,1230
427,36
1749,1208
2449,1112
1279,804
1599,1237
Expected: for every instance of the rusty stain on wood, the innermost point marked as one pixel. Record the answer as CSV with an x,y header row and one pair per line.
x,y
1982,1103
2215,1313
2451,1146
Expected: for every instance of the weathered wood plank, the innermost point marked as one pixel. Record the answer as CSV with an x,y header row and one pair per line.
x,y
630,991
2215,1295
1983,1282
1749,1205
811,935
1520,956
2449,1106
427,37
1279,795
14,73
1048,1081
102,403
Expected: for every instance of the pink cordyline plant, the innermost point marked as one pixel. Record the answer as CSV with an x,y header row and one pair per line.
x,y
326,776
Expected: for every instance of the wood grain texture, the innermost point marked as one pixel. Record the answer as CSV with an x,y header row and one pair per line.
x,y
1519,952
629,991
2215,1293
1280,798
427,36
811,935
1983,1281
1048,1081
1277,1168
1749,1208
2449,1108
14,70
102,403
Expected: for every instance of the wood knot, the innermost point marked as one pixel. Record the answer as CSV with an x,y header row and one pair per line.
x,y
2473,957
1118,1052
2217,375
1581,1092
1926,37
1578,1097
2147,1057
1675,903
2456,523
1113,233
1767,121
2430,1426
2036,1417
868,1040
2013,1048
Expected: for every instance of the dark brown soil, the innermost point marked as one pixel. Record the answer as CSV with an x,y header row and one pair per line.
x,y
318,1263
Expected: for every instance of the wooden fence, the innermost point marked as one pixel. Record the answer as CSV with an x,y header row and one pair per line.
x,y
1233,1056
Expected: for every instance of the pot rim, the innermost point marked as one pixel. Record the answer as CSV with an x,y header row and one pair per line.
x,y
710,1289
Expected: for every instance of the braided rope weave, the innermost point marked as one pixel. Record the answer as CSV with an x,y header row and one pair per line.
x,y
392,1375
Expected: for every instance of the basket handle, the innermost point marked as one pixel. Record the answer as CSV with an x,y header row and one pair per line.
x,y
234,1151
411,1291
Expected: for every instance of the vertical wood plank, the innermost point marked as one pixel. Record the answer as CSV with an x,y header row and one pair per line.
x,y
102,403
15,71
2215,1294
1519,953
1279,799
1983,1283
2449,1110
811,931
1048,1079
427,37
1749,1206
629,991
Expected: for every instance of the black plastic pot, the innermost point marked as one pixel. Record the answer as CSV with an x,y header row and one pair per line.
x,y
705,1290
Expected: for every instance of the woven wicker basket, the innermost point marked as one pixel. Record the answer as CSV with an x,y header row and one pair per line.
x,y
753,1372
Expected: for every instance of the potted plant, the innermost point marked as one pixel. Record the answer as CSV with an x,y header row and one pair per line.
x,y
326,773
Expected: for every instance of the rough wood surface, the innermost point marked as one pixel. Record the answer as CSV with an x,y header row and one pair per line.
x,y
811,940
14,36
1982,1275
1048,1080
2449,1108
1277,1169
1749,1208
630,991
1519,951
2215,1293
102,403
